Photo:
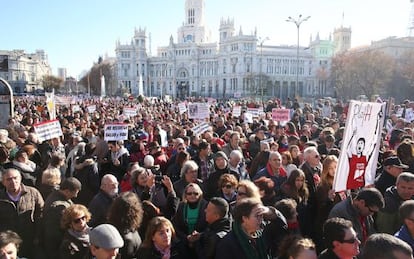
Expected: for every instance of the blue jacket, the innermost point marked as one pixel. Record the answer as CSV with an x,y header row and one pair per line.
x,y
405,235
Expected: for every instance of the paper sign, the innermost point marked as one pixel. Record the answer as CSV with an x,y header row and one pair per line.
x,y
236,111
255,112
198,111
280,114
75,108
130,112
91,108
48,130
114,132
182,108
200,129
248,117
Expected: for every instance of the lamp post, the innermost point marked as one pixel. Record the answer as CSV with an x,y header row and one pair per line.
x,y
297,22
261,41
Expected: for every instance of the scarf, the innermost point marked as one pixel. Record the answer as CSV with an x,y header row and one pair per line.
x,y
252,248
281,173
81,236
29,167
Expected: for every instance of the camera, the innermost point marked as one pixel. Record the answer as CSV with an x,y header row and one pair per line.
x,y
157,175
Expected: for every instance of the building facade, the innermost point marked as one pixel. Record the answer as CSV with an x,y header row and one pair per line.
x,y
24,71
238,66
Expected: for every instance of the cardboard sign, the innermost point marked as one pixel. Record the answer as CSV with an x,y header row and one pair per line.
x,y
280,114
114,132
48,130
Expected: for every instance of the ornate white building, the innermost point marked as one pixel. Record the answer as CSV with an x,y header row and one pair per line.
x,y
238,66
24,71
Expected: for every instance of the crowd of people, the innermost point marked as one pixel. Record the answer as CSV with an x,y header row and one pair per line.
x,y
240,189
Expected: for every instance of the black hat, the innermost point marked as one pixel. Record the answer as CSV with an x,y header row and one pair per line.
x,y
394,161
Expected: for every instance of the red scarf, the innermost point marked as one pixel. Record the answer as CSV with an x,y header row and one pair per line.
x,y
281,173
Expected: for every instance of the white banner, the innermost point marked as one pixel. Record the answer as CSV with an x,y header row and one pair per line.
x,y
48,130
198,111
360,147
201,128
114,132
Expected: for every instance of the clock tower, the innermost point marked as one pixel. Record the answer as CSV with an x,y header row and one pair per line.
x,y
193,28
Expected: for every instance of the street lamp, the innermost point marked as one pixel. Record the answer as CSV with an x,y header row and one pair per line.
x,y
261,41
297,22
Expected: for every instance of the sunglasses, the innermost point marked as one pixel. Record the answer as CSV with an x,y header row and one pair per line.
x,y
350,241
227,186
78,220
192,193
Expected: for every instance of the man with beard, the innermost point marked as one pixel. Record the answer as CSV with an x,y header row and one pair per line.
x,y
103,199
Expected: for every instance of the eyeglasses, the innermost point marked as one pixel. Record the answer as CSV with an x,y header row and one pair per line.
x,y
78,220
350,241
181,149
241,193
192,193
227,186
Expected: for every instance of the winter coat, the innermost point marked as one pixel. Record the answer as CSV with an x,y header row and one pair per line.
x,y
99,207
52,213
87,173
388,220
22,217
207,244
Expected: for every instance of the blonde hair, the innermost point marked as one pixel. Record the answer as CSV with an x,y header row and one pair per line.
x,y
51,176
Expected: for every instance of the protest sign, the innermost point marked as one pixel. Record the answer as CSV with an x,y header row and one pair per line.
x,y
200,129
48,129
236,111
198,111
130,111
280,114
182,108
357,163
91,108
114,132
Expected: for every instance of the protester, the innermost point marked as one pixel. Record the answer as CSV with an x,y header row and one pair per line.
x,y
20,210
9,244
74,222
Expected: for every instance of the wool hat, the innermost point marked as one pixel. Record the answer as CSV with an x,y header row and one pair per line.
x,y
106,236
221,154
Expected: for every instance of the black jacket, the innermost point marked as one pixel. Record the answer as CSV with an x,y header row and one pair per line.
x,y
206,247
178,251
180,222
99,207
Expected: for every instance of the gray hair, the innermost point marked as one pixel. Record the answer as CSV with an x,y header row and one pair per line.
x,y
188,165
309,151
236,153
406,177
